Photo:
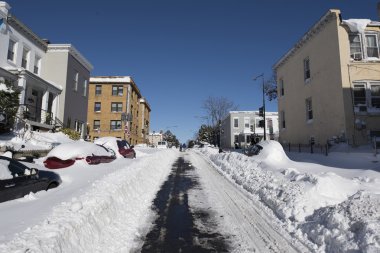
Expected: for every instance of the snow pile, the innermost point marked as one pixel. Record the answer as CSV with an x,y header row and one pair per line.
x,y
107,216
77,150
295,196
353,225
357,25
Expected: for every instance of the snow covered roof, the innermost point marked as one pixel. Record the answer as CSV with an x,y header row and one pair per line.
x,y
110,79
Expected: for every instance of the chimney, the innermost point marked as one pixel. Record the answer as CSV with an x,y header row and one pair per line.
x,y
4,8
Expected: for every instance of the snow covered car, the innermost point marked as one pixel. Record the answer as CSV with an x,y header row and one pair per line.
x,y
66,154
18,180
253,150
119,146
162,144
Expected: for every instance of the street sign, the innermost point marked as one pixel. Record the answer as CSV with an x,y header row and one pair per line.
x,y
3,118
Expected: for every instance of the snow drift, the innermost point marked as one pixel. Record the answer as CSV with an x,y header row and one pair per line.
x,y
300,198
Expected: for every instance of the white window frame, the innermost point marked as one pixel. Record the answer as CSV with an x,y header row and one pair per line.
x,y
237,121
246,122
367,85
37,65
26,53
76,79
376,41
85,86
100,106
96,90
363,55
13,51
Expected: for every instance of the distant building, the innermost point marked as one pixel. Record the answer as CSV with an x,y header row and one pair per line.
x,y
116,108
329,83
154,138
240,126
47,75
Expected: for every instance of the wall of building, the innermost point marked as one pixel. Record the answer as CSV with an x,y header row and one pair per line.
x,y
357,71
324,87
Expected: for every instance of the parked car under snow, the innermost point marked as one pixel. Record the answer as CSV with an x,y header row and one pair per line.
x,y
66,154
121,147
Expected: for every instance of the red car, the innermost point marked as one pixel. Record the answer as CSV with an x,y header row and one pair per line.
x,y
91,153
126,150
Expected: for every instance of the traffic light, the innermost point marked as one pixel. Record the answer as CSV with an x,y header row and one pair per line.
x,y
261,111
261,123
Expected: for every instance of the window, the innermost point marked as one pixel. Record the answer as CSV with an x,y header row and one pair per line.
x,y
252,128
236,122
96,124
309,109
375,95
283,119
75,86
372,45
11,50
85,88
97,107
355,47
116,107
359,94
306,66
78,126
248,139
236,138
25,56
366,94
281,87
115,125
117,90
359,49
246,122
37,63
98,90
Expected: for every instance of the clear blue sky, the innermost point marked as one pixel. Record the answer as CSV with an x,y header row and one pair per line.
x,y
179,52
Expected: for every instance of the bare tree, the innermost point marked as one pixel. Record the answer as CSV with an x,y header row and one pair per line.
x,y
270,88
217,108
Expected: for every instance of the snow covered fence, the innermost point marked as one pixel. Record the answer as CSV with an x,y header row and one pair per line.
x,y
106,217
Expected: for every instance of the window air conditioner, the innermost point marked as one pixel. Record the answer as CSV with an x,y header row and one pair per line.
x,y
357,56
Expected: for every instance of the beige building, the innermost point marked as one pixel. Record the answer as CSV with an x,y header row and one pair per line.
x,y
116,108
329,83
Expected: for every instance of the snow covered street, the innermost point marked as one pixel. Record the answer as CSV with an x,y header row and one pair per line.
x,y
201,201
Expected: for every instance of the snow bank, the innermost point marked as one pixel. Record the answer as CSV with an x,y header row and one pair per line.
x,y
294,196
105,218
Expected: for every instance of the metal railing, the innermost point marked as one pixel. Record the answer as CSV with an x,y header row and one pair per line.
x,y
39,115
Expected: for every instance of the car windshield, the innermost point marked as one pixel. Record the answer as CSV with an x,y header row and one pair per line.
x,y
16,168
122,144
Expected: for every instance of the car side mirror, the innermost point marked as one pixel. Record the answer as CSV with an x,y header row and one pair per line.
x,y
132,146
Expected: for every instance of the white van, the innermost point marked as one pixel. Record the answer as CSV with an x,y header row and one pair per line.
x,y
162,144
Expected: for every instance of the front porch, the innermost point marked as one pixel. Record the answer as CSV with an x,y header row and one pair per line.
x,y
38,101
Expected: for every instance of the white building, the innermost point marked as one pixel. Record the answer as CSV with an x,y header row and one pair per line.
x,y
240,126
154,138
47,79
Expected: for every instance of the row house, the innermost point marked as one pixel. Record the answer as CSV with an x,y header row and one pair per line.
x,y
239,127
329,83
46,74
116,108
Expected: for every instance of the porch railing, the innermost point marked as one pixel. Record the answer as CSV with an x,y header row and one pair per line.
x,y
39,115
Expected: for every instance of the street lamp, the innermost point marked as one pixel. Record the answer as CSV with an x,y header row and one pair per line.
x,y
254,79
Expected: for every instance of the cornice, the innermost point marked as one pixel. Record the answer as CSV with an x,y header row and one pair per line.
x,y
29,34
68,48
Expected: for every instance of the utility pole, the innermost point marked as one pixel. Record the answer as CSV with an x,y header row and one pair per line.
x,y
263,108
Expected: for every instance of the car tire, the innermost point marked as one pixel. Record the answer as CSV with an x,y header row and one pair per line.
x,y
52,185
